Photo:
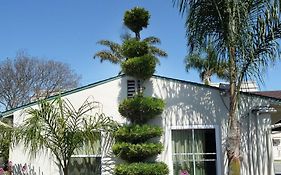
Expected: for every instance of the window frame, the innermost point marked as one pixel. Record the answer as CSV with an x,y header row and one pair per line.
x,y
217,137
99,155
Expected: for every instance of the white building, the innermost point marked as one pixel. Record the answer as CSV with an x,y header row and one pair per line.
x,y
194,122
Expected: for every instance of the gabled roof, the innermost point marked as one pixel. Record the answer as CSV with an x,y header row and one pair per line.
x,y
120,76
273,94
64,94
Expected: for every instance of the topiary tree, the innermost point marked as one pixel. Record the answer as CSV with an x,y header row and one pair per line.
x,y
136,19
134,141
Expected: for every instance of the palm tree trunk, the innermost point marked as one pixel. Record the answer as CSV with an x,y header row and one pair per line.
x,y
137,35
207,78
233,139
65,167
65,171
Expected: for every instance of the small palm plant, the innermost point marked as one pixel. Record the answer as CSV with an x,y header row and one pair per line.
x,y
60,128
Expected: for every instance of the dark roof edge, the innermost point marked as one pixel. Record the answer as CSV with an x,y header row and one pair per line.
x,y
119,76
64,93
215,88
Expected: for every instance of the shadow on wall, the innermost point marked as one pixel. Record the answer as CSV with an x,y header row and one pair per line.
x,y
188,104
24,169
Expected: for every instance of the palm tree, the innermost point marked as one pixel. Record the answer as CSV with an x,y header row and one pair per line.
x,y
114,53
245,34
206,66
62,129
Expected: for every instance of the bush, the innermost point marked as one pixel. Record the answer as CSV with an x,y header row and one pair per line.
x,y
142,169
136,19
136,152
140,67
137,133
133,48
139,109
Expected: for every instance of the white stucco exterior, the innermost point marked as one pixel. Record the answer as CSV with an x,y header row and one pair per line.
x,y
188,105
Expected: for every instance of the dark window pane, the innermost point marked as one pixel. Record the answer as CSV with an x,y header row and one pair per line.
x,y
85,166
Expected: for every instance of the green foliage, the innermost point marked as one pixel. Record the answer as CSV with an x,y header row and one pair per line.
x,y
207,63
134,48
59,127
137,133
142,169
139,109
136,19
113,54
6,132
140,67
136,152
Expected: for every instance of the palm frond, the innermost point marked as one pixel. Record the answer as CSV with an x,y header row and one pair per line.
x,y
60,127
182,5
108,56
152,40
113,55
114,47
157,52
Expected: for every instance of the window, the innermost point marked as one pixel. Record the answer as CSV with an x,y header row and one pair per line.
x,y
85,162
133,86
194,151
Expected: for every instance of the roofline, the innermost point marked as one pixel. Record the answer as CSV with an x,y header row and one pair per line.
x,y
64,94
119,76
213,87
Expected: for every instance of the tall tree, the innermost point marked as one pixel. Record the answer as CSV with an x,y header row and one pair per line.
x,y
131,18
57,126
245,33
207,64
26,78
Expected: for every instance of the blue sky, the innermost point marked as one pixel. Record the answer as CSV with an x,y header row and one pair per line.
x,y
67,30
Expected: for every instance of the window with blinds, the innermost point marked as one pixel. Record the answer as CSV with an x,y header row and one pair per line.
x,y
194,151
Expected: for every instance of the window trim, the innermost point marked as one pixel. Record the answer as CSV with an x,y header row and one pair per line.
x,y
218,142
98,155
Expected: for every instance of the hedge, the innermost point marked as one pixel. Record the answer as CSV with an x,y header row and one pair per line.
x,y
137,133
133,48
136,152
159,168
139,109
136,19
142,67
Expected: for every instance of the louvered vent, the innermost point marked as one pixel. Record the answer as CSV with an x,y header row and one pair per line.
x,y
133,86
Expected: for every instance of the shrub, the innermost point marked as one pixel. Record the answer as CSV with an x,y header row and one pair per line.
x,y
137,133
133,48
140,67
136,152
136,19
139,109
142,169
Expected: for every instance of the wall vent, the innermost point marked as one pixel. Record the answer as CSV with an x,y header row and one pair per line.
x,y
133,87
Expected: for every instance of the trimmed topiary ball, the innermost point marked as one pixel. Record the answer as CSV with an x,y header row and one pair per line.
x,y
136,152
137,133
140,67
142,169
136,19
140,109
133,48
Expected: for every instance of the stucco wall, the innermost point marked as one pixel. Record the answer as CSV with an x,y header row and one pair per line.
x,y
188,106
